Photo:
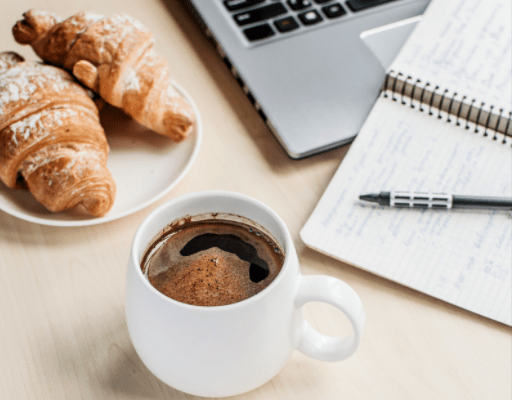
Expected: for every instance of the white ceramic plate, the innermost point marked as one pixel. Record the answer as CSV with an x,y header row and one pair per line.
x,y
144,165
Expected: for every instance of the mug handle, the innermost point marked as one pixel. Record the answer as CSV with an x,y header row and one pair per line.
x,y
339,294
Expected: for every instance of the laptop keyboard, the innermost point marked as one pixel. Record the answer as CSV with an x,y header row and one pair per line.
x,y
262,19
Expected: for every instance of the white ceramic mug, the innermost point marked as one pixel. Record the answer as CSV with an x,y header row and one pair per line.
x,y
231,349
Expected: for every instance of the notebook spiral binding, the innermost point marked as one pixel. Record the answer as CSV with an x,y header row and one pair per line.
x,y
440,101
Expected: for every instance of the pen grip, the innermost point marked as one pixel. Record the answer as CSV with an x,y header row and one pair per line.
x,y
420,200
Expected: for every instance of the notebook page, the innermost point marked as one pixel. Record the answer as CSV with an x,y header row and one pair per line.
x,y
463,46
460,256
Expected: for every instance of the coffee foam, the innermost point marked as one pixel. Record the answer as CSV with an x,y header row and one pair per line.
x,y
210,277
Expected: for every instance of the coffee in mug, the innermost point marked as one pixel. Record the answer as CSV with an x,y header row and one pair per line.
x,y
230,349
212,262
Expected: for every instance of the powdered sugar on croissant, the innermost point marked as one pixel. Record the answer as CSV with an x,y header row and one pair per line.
x,y
51,140
113,56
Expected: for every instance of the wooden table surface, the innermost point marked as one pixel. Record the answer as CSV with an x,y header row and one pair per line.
x,y
62,323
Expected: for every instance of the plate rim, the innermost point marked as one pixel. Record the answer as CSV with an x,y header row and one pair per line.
x,y
96,221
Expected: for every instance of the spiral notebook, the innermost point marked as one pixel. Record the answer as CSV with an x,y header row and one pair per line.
x,y
442,124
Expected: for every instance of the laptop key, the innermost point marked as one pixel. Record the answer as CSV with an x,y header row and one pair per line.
x,y
258,32
299,4
310,17
233,5
358,5
259,14
334,10
286,24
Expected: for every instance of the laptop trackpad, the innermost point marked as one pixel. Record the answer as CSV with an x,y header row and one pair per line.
x,y
386,41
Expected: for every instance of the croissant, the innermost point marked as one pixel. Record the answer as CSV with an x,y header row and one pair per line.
x,y
51,140
114,57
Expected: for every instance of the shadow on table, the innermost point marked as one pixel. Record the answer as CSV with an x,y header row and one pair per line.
x,y
106,361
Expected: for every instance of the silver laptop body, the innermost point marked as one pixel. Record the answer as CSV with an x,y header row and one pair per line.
x,y
315,83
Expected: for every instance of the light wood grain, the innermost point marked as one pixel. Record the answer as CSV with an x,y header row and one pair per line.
x,y
62,324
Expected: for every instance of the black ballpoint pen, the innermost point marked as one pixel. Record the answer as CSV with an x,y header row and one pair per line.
x,y
435,200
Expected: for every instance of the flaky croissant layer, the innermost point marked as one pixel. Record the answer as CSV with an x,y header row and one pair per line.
x,y
70,174
51,140
114,56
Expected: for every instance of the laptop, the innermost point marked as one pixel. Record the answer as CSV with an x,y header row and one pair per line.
x,y
304,64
